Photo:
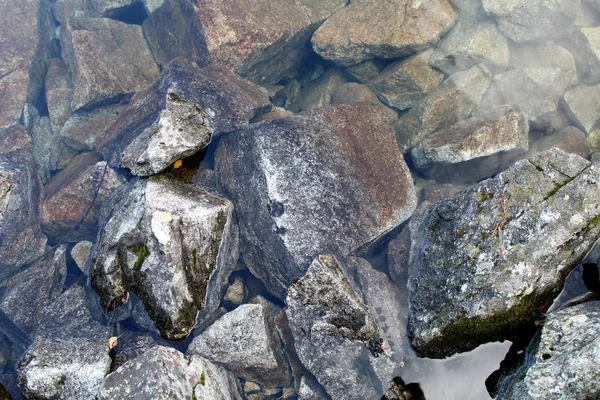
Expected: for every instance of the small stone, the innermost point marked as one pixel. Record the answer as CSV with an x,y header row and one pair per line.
x,y
366,70
251,387
583,107
318,93
81,253
236,293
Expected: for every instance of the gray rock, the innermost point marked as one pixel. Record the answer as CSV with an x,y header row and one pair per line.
x,y
366,70
21,238
485,261
405,82
236,293
452,101
474,40
382,29
172,244
563,362
226,104
110,59
289,180
27,293
318,93
569,139
116,8
582,107
587,14
584,45
533,56
59,93
553,18
163,372
83,127
245,341
309,390
81,253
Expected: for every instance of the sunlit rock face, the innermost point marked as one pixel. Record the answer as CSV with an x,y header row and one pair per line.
x,y
382,29
329,180
485,262
172,244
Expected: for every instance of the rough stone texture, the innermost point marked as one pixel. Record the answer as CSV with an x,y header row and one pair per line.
x,y
405,82
309,390
261,41
245,341
563,362
163,372
236,293
585,46
366,70
553,18
73,192
136,10
569,139
484,261
225,100
529,57
452,101
172,244
328,180
472,140
582,105
59,93
382,29
82,128
20,235
81,253
27,293
318,93
110,59
474,39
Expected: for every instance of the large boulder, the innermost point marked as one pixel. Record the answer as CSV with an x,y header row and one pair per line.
x,y
179,115
486,262
563,362
382,29
328,180
261,41
172,244
21,239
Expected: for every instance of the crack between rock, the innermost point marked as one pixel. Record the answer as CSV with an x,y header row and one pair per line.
x,y
8,73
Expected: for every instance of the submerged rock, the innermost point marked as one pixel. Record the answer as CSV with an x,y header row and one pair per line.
x,y
582,106
382,29
163,372
486,261
318,93
563,363
83,127
328,180
179,115
59,93
172,244
584,43
81,253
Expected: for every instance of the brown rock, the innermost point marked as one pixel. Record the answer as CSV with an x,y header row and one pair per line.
x,y
569,139
83,127
318,93
59,93
366,70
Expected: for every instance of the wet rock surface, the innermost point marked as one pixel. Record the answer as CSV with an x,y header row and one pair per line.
x,y
83,127
508,242
562,363
289,180
172,244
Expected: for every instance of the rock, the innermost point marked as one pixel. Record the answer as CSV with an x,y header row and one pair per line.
x,y
83,127
452,101
81,253
398,391
366,70
275,113
27,293
77,190
531,57
474,40
110,60
405,82
262,42
172,244
236,293
309,390
582,104
318,93
440,191
507,244
59,93
462,152
245,341
21,238
219,100
563,362
583,43
569,139
382,29
553,18
302,169
163,372
130,11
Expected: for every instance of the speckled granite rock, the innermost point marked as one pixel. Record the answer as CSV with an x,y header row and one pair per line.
x,y
563,362
290,180
382,29
81,253
484,261
59,93
174,245
83,127
582,104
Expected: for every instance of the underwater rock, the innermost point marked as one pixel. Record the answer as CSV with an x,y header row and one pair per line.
x,y
452,101
72,192
475,39
83,127
553,18
531,57
163,372
569,139
382,29
110,59
472,141
235,294
366,70
562,363
330,180
21,238
261,41
59,93
27,293
318,93
245,342
172,244
130,11
147,138
484,263
81,253
584,43
403,83
582,105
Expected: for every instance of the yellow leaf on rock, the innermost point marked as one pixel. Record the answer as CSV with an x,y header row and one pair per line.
x,y
177,164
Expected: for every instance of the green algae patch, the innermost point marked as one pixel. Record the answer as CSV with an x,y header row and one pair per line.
x,y
142,252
